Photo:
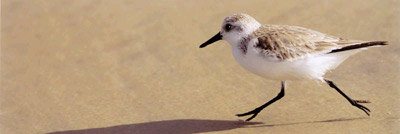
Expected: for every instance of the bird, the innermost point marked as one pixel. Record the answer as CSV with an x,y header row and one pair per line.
x,y
287,53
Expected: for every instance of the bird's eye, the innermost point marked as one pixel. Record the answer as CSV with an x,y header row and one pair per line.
x,y
228,27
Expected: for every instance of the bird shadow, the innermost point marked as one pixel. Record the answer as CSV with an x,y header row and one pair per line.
x,y
184,126
181,126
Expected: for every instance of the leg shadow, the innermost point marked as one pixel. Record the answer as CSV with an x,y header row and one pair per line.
x,y
183,126
321,121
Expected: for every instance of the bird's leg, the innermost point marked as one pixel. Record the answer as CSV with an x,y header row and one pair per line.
x,y
259,109
352,102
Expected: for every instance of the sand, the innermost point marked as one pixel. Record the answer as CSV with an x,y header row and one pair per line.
x,y
122,67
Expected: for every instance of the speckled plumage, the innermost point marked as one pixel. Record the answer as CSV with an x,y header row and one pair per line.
x,y
292,42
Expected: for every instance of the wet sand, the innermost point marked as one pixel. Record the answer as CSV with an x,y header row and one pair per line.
x,y
102,67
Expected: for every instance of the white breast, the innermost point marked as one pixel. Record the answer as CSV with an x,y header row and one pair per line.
x,y
309,67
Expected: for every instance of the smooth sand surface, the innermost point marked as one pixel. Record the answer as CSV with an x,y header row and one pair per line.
x,y
122,67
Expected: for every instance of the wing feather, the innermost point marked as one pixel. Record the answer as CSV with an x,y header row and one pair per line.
x,y
292,42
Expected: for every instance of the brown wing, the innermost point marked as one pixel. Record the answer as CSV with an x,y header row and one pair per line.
x,y
291,42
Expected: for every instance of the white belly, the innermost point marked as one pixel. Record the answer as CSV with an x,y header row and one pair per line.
x,y
309,67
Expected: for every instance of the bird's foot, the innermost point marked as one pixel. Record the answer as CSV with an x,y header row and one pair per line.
x,y
253,112
363,108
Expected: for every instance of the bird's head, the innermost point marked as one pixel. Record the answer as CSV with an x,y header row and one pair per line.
x,y
234,28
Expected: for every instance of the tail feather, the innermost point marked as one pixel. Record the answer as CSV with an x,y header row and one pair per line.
x,y
360,45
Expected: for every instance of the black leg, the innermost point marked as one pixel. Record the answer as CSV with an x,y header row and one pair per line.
x,y
352,102
259,109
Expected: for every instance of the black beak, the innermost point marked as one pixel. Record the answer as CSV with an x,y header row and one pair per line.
x,y
216,37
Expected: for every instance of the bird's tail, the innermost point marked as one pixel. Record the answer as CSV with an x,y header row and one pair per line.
x,y
360,45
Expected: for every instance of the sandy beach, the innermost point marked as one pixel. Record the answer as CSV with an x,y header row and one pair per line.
x,y
127,67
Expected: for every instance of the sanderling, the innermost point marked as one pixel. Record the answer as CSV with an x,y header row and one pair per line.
x,y
281,52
